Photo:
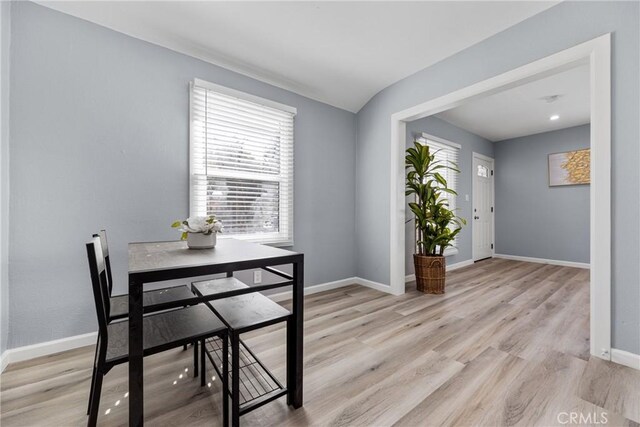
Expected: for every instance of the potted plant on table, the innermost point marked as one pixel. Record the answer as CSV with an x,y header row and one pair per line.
x,y
436,225
199,231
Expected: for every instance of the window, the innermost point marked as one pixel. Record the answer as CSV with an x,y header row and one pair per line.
x,y
448,152
483,171
241,163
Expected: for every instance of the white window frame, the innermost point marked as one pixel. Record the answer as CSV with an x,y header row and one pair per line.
x,y
425,138
280,238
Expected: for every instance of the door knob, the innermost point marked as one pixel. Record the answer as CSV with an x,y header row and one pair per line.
x,y
476,217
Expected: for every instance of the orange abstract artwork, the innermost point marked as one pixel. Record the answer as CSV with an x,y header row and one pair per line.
x,y
570,168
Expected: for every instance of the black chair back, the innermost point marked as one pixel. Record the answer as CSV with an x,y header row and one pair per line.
x,y
99,282
107,262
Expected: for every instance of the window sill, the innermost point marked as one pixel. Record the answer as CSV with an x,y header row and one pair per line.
x,y
275,242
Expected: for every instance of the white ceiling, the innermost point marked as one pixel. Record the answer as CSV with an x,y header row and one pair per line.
x,y
341,53
522,111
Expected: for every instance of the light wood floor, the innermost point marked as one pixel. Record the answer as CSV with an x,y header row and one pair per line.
x,y
506,345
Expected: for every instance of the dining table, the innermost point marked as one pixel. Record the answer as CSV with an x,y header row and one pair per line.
x,y
151,262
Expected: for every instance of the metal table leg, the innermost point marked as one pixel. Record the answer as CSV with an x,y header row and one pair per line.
x,y
136,364
295,337
225,380
235,378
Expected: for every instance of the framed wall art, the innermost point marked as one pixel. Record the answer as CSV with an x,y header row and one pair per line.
x,y
570,168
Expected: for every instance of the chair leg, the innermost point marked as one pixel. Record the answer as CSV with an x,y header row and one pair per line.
x,y
225,381
93,379
203,364
195,359
93,382
184,347
95,399
235,379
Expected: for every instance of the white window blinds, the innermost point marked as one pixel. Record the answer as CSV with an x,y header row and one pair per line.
x,y
241,163
447,152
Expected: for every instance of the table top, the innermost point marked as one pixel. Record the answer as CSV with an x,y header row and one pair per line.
x,y
156,256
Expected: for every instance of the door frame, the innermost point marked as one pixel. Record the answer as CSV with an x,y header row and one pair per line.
x,y
597,53
491,160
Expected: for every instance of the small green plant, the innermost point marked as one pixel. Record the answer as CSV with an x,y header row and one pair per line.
x,y
436,224
198,224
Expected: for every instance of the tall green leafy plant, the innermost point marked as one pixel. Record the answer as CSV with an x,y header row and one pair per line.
x,y
436,224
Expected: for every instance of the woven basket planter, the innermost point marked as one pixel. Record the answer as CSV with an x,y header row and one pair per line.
x,y
430,273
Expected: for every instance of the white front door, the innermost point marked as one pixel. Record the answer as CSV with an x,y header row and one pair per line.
x,y
482,220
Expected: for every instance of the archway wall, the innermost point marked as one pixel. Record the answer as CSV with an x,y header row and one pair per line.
x,y
558,28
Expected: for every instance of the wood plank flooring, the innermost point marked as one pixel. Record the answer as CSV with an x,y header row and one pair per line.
x,y
508,344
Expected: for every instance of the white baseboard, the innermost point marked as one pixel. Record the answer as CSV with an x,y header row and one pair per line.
x,y
457,265
51,347
374,285
28,352
625,358
309,290
460,264
544,261
56,346
4,361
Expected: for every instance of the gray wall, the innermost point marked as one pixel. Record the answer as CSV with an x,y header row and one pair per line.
x,y
95,114
470,143
533,219
551,31
5,33
99,138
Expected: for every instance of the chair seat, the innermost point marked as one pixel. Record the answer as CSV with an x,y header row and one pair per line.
x,y
217,286
120,303
247,312
163,331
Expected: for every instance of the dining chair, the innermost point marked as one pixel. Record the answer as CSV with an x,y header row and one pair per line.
x,y
252,384
162,331
119,304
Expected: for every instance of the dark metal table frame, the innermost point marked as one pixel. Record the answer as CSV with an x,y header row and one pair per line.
x,y
138,277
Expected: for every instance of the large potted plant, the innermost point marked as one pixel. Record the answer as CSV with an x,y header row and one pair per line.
x,y
436,225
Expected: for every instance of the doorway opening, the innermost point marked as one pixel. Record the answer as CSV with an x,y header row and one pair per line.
x,y
597,53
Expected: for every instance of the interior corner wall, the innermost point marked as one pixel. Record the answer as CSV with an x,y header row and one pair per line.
x,y
534,219
553,30
100,139
5,37
469,143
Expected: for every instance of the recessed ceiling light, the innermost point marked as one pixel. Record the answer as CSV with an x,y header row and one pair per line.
x,y
554,117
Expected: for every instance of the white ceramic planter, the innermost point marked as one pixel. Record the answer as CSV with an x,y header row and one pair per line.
x,y
201,241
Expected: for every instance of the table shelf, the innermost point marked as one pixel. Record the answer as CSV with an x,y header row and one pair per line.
x,y
257,384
